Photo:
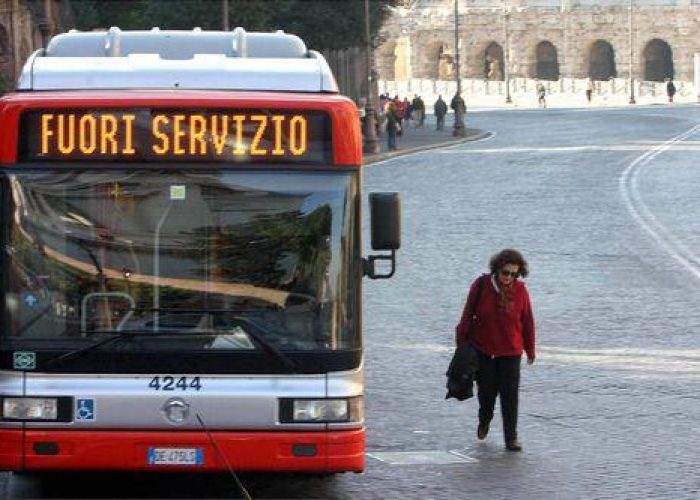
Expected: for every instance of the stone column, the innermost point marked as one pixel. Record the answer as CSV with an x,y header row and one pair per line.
x,y
565,68
402,65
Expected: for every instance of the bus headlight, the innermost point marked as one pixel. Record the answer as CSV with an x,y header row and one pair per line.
x,y
30,408
321,410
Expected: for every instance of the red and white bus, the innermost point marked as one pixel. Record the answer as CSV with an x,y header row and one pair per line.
x,y
181,256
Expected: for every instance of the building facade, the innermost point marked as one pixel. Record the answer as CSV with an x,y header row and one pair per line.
x,y
24,24
544,39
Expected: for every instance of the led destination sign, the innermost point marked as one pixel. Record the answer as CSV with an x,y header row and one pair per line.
x,y
167,135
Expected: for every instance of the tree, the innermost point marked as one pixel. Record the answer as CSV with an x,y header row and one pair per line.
x,y
322,24
103,14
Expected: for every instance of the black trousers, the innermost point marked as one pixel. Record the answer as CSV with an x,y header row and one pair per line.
x,y
391,138
496,376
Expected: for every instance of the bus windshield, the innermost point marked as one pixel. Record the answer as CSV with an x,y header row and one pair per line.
x,y
193,254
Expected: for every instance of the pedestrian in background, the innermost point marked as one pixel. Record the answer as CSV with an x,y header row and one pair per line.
x,y
440,109
421,103
381,113
400,109
503,327
362,110
670,89
541,91
383,100
589,89
392,125
418,110
407,108
457,104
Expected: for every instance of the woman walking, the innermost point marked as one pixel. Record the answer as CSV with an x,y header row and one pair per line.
x,y
498,322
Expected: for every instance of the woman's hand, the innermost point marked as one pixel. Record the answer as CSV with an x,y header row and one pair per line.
x,y
531,359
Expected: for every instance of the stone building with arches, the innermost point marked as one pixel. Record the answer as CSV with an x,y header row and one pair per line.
x,y
541,39
23,24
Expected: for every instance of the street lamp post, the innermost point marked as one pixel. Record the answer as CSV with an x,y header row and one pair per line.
x,y
371,143
458,130
45,30
506,15
45,23
224,14
629,18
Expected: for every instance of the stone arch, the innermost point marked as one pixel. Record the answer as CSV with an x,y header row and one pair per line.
x,y
386,61
4,42
493,62
601,61
658,61
430,57
547,61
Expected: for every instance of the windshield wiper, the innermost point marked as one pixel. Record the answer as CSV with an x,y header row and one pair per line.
x,y
284,360
81,351
268,347
259,338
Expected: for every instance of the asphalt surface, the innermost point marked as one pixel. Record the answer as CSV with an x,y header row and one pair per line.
x,y
603,203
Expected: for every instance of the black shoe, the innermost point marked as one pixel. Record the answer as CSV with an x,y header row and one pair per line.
x,y
514,445
482,431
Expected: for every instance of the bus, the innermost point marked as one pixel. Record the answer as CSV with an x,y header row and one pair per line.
x,y
182,256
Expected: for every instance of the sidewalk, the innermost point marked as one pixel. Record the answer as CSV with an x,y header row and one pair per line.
x,y
416,139
569,101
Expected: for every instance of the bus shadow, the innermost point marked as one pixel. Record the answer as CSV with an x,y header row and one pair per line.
x,y
171,485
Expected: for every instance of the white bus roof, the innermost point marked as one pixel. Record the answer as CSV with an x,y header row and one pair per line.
x,y
235,60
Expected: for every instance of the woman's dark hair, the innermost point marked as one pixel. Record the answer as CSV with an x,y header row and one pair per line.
x,y
509,256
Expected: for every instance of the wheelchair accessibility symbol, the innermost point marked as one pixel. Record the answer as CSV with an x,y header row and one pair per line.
x,y
22,360
85,410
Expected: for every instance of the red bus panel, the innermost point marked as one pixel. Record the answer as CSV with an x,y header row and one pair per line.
x,y
335,451
345,124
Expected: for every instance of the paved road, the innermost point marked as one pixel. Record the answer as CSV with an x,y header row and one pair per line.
x,y
606,210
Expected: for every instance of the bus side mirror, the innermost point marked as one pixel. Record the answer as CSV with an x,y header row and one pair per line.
x,y
385,221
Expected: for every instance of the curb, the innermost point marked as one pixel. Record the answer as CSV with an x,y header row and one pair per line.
x,y
474,136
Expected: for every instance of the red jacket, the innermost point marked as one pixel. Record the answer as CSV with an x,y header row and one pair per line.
x,y
499,333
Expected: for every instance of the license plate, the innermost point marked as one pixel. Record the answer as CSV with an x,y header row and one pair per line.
x,y
175,456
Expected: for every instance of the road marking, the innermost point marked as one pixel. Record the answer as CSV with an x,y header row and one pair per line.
x,y
568,149
430,151
430,457
629,190
690,355
649,363
483,139
638,362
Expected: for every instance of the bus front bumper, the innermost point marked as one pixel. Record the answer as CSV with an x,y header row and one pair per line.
x,y
46,450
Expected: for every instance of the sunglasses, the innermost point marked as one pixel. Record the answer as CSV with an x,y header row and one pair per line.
x,y
505,273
